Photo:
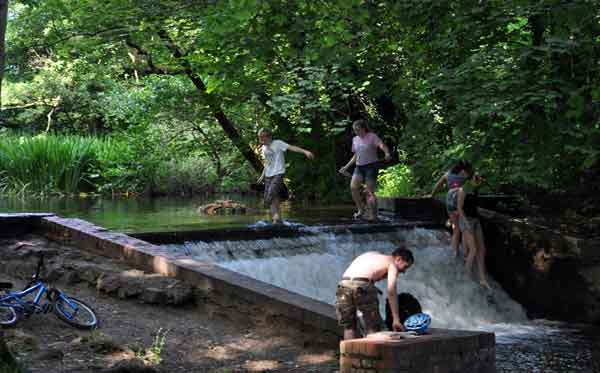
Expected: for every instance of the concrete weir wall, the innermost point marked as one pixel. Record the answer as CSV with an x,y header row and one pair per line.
x,y
227,286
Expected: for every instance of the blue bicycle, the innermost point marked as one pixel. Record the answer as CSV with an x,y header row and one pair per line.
x,y
68,309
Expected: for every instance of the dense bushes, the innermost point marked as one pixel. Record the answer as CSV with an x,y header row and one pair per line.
x,y
396,181
62,164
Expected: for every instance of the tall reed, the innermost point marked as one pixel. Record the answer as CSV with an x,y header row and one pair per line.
x,y
45,164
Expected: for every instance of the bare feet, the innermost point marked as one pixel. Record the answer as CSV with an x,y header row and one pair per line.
x,y
485,285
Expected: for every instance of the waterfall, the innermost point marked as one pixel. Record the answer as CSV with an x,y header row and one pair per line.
x,y
313,264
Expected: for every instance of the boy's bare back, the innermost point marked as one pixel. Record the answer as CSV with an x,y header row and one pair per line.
x,y
372,265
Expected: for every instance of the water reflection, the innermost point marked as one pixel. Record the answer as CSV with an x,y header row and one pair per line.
x,y
135,215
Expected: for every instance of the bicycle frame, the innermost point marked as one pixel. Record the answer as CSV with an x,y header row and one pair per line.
x,y
11,297
65,308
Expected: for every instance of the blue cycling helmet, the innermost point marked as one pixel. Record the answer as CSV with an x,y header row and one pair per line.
x,y
419,322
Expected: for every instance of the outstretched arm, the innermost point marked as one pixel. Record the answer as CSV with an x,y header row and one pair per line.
x,y
298,149
393,297
438,185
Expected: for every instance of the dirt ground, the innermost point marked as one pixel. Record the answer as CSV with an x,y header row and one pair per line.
x,y
137,337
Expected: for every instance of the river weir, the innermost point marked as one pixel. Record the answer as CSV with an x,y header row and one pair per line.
x,y
311,264
288,274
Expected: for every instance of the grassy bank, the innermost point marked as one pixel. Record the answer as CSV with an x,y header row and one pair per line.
x,y
50,164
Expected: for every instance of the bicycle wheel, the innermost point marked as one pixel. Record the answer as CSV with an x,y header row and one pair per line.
x,y
8,316
75,313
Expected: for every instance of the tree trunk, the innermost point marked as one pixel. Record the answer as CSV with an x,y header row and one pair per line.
x,y
3,22
222,119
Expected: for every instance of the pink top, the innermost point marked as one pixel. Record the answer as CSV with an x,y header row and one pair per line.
x,y
366,148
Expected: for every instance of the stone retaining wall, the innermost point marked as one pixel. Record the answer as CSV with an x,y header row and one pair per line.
x,y
440,351
551,274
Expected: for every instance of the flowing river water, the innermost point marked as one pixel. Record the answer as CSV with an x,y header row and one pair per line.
x,y
312,265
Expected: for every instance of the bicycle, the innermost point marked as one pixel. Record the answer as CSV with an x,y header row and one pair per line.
x,y
68,309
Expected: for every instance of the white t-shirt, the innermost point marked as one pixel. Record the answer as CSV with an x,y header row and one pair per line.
x,y
274,159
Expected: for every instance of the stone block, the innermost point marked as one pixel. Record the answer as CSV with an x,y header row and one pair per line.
x,y
422,354
153,296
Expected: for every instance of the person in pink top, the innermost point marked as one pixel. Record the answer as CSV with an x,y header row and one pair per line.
x,y
364,147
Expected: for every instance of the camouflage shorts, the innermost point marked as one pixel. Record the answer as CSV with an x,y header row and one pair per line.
x,y
353,295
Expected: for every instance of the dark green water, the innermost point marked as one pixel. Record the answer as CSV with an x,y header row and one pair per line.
x,y
140,214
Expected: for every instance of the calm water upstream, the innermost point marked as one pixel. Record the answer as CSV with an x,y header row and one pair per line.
x,y
135,215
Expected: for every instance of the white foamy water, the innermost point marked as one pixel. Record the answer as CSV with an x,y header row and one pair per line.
x,y
313,265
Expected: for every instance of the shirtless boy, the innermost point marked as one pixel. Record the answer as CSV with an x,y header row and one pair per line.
x,y
357,289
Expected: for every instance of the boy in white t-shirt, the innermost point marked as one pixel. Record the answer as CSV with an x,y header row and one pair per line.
x,y
274,168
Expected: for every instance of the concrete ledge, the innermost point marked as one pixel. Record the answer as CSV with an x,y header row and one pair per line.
x,y
229,287
439,351
20,223
412,208
283,231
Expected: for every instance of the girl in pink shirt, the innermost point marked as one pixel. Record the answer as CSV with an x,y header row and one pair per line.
x,y
364,147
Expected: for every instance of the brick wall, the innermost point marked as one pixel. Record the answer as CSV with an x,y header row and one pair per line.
x,y
440,351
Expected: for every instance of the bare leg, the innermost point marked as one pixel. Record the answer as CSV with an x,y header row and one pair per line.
x,y
355,185
469,243
456,235
371,200
275,211
481,250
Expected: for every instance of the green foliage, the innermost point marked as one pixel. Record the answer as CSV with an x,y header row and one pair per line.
x,y
184,177
511,85
46,163
153,355
396,181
